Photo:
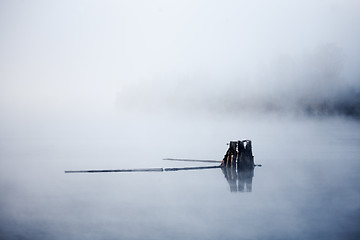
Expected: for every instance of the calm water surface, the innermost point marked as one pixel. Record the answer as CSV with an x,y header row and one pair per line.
x,y
307,188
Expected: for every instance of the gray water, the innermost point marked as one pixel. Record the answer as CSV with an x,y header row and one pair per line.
x,y
307,188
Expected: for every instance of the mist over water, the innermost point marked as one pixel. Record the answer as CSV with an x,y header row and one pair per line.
x,y
306,188
122,85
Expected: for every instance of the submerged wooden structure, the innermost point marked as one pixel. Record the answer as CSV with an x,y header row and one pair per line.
x,y
237,166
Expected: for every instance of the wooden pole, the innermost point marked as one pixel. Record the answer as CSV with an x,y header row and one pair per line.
x,y
142,169
239,154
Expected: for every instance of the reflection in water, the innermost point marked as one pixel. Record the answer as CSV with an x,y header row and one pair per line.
x,y
240,180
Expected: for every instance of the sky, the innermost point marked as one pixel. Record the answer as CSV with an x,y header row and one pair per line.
x,y
66,57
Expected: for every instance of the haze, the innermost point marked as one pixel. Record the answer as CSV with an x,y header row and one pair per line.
x,y
123,84
66,57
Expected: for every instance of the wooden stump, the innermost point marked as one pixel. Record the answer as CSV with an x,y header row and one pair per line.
x,y
239,155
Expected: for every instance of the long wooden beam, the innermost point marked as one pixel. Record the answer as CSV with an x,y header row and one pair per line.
x,y
142,169
191,160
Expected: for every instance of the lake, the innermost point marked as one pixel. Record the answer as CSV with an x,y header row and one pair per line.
x,y
307,187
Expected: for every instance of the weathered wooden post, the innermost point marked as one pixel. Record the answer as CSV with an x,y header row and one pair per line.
x,y
239,154
247,159
230,156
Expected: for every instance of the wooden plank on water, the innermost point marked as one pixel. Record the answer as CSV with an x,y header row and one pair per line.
x,y
142,170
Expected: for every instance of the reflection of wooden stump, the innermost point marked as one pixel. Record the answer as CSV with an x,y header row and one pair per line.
x,y
245,180
240,180
239,154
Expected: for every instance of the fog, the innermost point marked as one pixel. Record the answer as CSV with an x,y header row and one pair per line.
x,y
124,84
76,56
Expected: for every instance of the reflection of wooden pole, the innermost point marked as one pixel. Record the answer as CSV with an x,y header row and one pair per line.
x,y
240,180
244,178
